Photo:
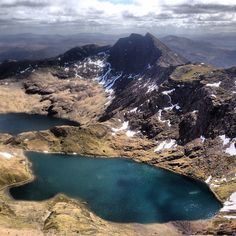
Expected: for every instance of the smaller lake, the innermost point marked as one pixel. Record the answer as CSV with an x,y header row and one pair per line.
x,y
15,123
118,189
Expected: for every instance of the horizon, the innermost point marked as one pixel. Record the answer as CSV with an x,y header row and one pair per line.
x,y
161,17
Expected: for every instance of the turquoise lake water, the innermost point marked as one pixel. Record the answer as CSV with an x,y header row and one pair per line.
x,y
119,189
15,123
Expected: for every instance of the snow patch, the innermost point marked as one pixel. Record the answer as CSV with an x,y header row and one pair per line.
x,y
133,110
208,179
170,108
168,92
230,204
130,133
6,155
224,139
167,144
214,185
231,150
230,145
202,138
230,217
216,85
160,119
152,88
23,71
124,126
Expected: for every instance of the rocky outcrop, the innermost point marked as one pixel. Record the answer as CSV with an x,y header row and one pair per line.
x,y
81,53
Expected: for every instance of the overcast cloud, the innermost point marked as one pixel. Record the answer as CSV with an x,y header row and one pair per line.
x,y
117,16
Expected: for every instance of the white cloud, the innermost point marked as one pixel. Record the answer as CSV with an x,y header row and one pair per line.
x,y
138,14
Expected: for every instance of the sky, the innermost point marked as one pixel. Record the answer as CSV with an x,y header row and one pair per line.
x,y
117,16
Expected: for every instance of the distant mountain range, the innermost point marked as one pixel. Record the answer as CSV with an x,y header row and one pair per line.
x,y
200,51
217,50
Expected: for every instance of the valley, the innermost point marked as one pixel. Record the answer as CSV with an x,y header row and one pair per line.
x,y
137,99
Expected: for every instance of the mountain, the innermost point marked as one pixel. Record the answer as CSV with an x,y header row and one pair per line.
x,y
135,53
216,50
202,51
137,99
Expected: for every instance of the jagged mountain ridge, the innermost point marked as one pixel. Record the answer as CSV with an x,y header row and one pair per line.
x,y
135,53
136,72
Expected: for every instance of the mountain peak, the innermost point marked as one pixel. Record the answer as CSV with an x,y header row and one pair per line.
x,y
134,53
149,35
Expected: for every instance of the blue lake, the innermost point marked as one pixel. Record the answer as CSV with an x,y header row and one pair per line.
x,y
118,189
15,123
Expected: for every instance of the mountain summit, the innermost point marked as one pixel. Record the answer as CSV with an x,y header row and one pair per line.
x,y
135,53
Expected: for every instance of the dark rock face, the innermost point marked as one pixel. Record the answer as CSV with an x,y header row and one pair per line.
x,y
136,53
80,53
133,54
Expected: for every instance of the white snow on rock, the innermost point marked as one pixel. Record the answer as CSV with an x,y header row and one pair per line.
x,y
224,139
160,119
177,106
170,108
230,217
168,92
133,110
130,133
159,116
214,185
167,144
230,145
6,155
23,71
208,179
231,150
123,127
230,204
109,84
216,85
223,180
151,88
202,138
